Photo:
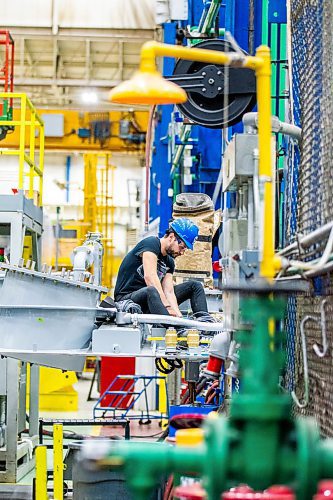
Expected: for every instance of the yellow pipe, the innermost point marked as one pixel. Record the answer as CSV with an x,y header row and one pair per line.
x,y
269,263
152,49
22,141
14,122
41,162
32,165
10,152
14,95
32,154
58,466
20,95
179,339
41,473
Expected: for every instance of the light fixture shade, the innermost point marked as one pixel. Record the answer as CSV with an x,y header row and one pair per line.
x,y
147,88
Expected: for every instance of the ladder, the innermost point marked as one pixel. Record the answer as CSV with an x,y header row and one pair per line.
x,y
128,393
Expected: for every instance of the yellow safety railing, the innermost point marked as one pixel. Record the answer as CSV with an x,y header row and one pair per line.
x,y
58,464
41,473
58,467
30,125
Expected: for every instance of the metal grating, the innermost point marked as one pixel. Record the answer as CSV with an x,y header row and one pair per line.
x,y
309,198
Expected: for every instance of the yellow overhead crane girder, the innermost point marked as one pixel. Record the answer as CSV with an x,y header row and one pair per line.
x,y
73,121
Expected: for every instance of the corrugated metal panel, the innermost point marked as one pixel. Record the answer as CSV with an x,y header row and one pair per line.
x,y
118,14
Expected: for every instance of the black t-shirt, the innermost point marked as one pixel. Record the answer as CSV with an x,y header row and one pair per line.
x,y
131,276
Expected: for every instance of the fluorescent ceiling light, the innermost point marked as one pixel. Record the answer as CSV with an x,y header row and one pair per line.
x,y
89,97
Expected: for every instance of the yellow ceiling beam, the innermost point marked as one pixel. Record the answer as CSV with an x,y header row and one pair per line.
x,y
73,120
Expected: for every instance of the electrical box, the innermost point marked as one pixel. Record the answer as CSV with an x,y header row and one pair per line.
x,y
54,124
117,340
234,235
231,305
84,133
238,161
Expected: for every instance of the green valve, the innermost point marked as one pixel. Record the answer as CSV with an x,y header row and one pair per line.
x,y
260,444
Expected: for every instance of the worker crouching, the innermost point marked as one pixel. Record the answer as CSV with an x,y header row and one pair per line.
x,y
145,274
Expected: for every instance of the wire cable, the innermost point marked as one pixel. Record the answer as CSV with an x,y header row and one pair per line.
x,y
172,365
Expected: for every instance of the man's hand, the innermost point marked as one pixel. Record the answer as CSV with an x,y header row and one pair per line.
x,y
174,313
168,288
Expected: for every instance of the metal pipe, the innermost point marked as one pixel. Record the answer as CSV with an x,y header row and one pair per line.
x,y
220,345
245,201
291,130
256,197
79,262
317,272
57,236
321,353
305,401
309,239
310,274
171,320
210,17
185,134
203,16
292,266
250,122
3,403
250,216
240,202
311,266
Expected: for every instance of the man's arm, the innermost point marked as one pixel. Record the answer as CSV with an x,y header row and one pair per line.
x,y
167,286
149,261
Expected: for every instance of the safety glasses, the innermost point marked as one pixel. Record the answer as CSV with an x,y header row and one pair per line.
x,y
180,243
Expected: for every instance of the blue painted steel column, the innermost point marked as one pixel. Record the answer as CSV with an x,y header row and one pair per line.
x,y
160,182
195,8
237,21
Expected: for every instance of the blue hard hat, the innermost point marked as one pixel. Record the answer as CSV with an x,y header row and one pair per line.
x,y
186,230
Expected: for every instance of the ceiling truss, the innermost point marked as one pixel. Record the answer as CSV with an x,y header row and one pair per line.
x,y
54,69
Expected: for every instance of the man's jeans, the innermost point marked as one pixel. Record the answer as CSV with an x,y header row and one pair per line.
x,y
150,301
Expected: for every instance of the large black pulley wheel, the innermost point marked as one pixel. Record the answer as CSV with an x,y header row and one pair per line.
x,y
217,96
